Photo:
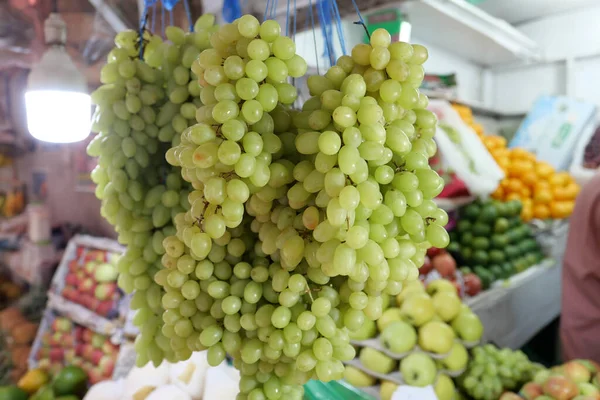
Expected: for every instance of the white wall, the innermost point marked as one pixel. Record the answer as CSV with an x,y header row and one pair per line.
x,y
573,36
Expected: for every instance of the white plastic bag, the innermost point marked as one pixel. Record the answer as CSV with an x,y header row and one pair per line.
x,y
465,154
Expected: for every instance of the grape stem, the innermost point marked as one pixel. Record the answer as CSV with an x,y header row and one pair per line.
x,y
364,26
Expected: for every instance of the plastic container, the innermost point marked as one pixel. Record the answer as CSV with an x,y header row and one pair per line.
x,y
39,227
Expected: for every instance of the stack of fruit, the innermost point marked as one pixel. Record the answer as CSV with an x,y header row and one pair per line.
x,y
66,342
492,240
425,336
70,383
18,328
575,380
92,281
9,291
491,371
443,263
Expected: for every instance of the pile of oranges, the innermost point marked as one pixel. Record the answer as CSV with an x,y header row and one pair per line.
x,y
544,192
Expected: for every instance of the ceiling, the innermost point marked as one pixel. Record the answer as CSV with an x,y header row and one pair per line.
x,y
519,11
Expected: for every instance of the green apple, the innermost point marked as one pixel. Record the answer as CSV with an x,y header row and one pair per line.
x,y
577,372
468,326
440,285
399,337
457,359
542,376
592,366
376,360
446,305
588,389
388,316
418,369
418,309
367,330
409,288
444,387
358,378
436,337
387,390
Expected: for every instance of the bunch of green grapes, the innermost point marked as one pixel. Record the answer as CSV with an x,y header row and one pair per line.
x,y
142,107
299,220
492,371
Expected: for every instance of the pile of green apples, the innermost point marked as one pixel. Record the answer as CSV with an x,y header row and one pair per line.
x,y
423,334
575,380
492,371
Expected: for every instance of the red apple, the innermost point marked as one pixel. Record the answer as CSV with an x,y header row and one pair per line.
x,y
97,356
73,266
77,361
87,335
434,251
56,339
88,351
68,340
531,391
44,352
46,338
105,308
577,372
560,388
61,324
71,279
95,376
106,365
472,284
79,251
110,349
79,349
444,264
88,286
427,267
57,354
105,291
70,355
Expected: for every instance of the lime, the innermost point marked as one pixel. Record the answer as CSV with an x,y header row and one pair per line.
x,y
515,222
480,229
480,243
502,209
70,380
485,276
466,253
531,258
12,393
511,252
463,225
499,241
68,397
466,238
496,256
520,264
471,212
507,269
488,213
45,393
453,247
497,272
465,270
501,225
480,257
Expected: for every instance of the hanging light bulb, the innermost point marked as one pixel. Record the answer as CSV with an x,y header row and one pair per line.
x,y
57,103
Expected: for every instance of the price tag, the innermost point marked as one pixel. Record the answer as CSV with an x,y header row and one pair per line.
x,y
414,393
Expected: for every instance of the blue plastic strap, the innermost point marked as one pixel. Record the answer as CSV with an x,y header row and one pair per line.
x,y
153,20
142,27
267,8
231,10
295,20
188,13
312,22
338,24
169,4
360,18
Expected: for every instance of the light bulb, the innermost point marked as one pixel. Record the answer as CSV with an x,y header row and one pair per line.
x,y
57,103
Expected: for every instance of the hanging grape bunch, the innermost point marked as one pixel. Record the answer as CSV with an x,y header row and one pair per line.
x,y
299,220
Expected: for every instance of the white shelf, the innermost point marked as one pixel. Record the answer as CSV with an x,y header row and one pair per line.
x,y
477,107
468,31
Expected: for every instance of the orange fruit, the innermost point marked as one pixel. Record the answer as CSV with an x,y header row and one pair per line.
x,y
526,214
513,196
541,211
498,193
560,179
568,192
561,209
527,202
529,178
526,192
543,169
542,196
520,167
519,153
503,163
514,185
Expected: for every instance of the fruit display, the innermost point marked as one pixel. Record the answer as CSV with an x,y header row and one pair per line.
x,y
69,383
442,262
296,222
492,241
492,371
575,380
63,342
543,192
89,278
422,339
